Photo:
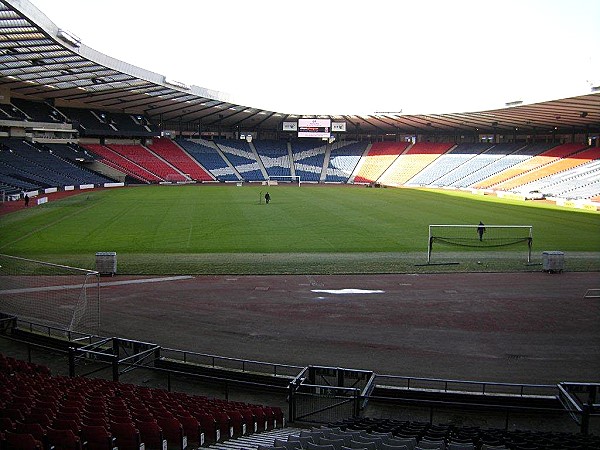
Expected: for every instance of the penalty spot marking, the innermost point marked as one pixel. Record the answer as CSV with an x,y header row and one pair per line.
x,y
348,291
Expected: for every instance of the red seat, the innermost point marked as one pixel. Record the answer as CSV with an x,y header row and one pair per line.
x,y
97,438
223,424
237,423
172,431
279,417
250,420
151,435
14,414
192,429
209,425
6,424
37,417
22,441
35,429
66,424
96,421
127,436
63,439
261,418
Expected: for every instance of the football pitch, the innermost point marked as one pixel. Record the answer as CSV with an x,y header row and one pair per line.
x,y
201,229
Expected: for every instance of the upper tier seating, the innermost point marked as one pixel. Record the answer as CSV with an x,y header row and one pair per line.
x,y
309,157
102,123
413,161
240,155
274,156
343,159
206,153
380,157
38,111
171,152
11,112
117,161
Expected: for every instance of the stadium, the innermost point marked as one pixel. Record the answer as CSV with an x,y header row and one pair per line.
x,y
413,281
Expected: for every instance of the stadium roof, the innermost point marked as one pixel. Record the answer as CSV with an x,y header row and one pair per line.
x,y
40,61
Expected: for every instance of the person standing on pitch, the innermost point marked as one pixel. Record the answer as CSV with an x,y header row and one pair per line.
x,y
480,230
267,198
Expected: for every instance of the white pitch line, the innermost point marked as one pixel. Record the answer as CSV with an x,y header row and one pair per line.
x,y
79,286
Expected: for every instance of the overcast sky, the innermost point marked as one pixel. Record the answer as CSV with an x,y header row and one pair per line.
x,y
352,57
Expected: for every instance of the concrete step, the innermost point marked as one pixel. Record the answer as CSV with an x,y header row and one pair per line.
x,y
252,441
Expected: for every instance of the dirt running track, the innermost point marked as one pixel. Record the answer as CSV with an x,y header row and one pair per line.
x,y
525,327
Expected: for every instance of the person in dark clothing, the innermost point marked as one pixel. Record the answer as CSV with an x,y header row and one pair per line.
x,y
480,230
26,200
267,198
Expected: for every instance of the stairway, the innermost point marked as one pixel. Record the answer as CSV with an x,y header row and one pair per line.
x,y
251,442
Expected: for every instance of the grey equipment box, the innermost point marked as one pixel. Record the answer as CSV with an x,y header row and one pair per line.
x,y
106,263
553,262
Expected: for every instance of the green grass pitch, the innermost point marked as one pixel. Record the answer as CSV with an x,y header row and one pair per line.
x,y
311,229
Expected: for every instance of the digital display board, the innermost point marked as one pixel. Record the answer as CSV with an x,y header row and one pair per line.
x,y
317,128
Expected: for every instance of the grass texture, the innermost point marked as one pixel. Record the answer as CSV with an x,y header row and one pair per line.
x,y
196,229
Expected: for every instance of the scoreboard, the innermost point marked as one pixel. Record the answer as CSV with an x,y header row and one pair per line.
x,y
319,128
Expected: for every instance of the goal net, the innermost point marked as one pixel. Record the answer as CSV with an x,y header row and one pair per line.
x,y
51,294
480,237
276,179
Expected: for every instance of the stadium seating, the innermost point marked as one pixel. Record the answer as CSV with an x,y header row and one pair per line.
x,y
498,165
381,155
38,111
392,433
119,162
500,180
309,158
104,123
446,163
172,153
343,159
582,181
467,173
275,157
149,161
25,166
103,414
11,112
240,155
528,181
207,154
411,162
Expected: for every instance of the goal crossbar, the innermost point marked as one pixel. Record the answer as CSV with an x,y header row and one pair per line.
x,y
480,236
295,179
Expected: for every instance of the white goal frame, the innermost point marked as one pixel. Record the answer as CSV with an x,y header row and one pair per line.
x,y
529,239
295,179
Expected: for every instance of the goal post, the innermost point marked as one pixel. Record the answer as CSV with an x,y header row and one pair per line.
x,y
480,236
52,294
292,179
